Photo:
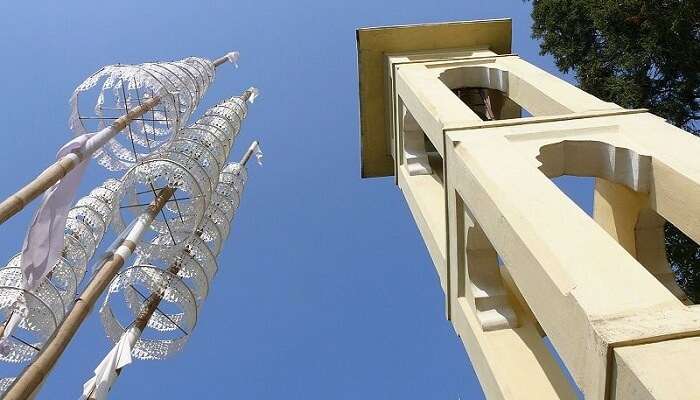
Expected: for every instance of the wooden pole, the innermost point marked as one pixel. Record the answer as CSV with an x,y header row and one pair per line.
x,y
33,376
16,202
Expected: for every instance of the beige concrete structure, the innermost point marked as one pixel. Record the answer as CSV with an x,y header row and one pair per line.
x,y
442,110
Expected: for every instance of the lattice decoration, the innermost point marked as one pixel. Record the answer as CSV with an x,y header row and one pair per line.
x,y
77,256
168,329
191,163
116,89
227,204
232,181
194,269
211,235
217,221
62,278
196,266
87,223
198,256
235,175
41,310
6,382
182,213
223,121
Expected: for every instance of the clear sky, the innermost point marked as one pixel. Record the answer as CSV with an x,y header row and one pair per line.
x,y
325,288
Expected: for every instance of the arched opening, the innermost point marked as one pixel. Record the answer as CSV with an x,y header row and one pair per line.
x,y
622,203
484,90
497,94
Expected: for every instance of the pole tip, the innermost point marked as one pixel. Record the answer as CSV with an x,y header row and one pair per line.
x,y
257,151
254,93
254,149
233,57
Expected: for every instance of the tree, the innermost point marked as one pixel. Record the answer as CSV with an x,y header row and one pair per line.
x,y
637,54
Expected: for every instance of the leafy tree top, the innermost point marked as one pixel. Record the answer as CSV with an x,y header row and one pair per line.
x,y
635,53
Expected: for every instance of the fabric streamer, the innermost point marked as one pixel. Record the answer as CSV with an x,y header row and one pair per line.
x,y
258,154
233,57
44,241
254,93
120,356
45,237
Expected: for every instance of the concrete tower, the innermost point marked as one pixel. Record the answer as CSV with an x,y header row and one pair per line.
x,y
473,135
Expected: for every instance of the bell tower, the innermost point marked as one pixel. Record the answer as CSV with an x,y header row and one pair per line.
x,y
473,135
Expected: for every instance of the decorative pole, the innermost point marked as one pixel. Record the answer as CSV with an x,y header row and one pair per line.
x,y
177,86
86,223
31,316
148,84
253,149
34,375
189,164
52,174
190,276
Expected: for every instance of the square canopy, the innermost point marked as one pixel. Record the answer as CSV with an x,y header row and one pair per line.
x,y
374,43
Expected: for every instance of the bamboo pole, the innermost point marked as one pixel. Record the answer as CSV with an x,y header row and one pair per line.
x,y
16,202
249,152
219,61
153,301
33,376
47,178
136,330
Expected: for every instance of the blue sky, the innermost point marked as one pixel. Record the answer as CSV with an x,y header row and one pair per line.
x,y
325,288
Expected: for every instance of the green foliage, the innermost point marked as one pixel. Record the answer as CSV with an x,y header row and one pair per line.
x,y
637,54
684,255
634,53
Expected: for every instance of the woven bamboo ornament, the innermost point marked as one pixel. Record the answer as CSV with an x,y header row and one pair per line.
x,y
162,296
179,160
32,315
191,164
179,211
147,103
114,90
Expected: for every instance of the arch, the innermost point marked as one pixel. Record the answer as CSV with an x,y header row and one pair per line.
x,y
476,76
482,89
510,92
622,205
596,159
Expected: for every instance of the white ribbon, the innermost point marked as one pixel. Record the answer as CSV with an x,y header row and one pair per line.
x,y
98,386
44,241
258,154
254,93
